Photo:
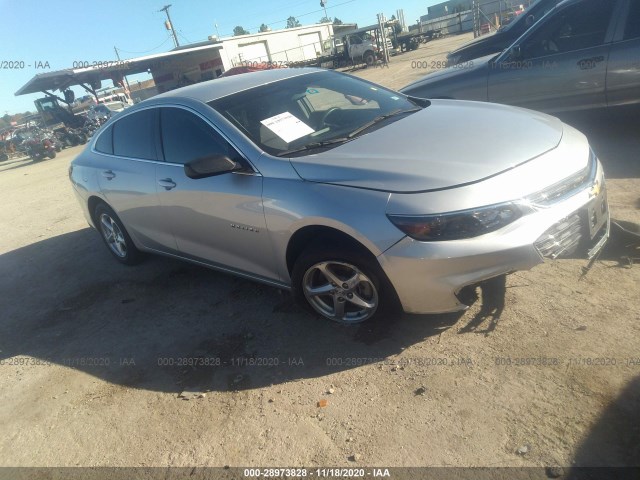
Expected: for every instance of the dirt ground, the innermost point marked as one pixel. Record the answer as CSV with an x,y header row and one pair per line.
x,y
96,358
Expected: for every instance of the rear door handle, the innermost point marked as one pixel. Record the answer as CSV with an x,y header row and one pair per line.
x,y
108,174
167,183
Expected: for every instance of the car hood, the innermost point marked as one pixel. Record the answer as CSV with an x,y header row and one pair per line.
x,y
471,69
479,42
448,144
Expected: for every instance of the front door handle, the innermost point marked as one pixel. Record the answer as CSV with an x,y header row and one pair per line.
x,y
108,174
167,183
589,63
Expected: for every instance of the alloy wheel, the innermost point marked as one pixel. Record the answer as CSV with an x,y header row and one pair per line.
x,y
113,235
340,291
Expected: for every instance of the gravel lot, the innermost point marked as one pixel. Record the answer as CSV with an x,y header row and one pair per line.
x,y
92,370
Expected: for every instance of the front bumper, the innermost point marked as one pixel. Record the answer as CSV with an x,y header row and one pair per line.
x,y
428,276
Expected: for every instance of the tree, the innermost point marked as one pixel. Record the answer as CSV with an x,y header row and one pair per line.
x,y
264,28
292,22
325,20
337,21
239,31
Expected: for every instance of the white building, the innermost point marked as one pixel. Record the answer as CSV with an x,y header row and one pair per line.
x,y
278,46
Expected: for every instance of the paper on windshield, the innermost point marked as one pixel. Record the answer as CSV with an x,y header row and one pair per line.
x,y
287,126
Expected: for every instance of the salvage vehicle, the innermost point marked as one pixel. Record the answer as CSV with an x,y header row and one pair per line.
x,y
104,111
39,147
36,142
355,197
582,55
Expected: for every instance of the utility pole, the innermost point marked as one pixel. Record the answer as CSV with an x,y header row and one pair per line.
x,y
382,21
169,24
125,77
323,4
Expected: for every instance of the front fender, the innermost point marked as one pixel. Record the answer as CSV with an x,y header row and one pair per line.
x,y
291,205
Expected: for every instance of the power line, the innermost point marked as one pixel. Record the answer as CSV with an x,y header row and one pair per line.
x,y
298,16
150,50
183,36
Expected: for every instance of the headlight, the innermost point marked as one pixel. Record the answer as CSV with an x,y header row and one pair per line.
x,y
567,187
457,225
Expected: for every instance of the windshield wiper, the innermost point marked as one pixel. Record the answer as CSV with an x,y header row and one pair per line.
x,y
380,118
314,145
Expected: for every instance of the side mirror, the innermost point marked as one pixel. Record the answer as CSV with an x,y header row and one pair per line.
x,y
210,166
515,53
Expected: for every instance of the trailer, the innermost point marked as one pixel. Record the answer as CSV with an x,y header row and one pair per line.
x,y
411,41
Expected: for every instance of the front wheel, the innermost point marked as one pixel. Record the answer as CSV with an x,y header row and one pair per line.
x,y
341,285
51,154
369,58
115,236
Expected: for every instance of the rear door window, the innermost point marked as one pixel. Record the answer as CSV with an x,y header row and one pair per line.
x,y
104,144
133,135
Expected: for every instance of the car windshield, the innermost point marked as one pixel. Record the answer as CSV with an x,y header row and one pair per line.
x,y
306,113
538,9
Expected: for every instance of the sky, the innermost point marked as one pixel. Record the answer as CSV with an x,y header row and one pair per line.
x,y
38,36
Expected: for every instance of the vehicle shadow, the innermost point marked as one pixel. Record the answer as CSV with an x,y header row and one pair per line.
x,y
612,445
170,326
12,164
492,296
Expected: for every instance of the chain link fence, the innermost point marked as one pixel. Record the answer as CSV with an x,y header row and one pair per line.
x,y
477,16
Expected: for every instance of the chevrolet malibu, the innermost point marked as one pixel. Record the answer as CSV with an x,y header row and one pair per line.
x,y
352,196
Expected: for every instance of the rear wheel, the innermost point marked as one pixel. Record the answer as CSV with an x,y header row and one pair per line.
x,y
115,236
342,285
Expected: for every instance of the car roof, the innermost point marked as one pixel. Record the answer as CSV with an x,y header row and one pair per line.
x,y
221,87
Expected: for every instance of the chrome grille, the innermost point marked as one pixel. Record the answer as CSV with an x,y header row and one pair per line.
x,y
561,239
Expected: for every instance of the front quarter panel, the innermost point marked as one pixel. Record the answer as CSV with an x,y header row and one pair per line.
x,y
290,205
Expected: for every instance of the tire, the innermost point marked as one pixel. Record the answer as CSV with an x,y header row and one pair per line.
x,y
115,236
369,58
314,269
52,154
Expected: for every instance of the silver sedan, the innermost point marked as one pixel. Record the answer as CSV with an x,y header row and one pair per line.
x,y
583,54
355,197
